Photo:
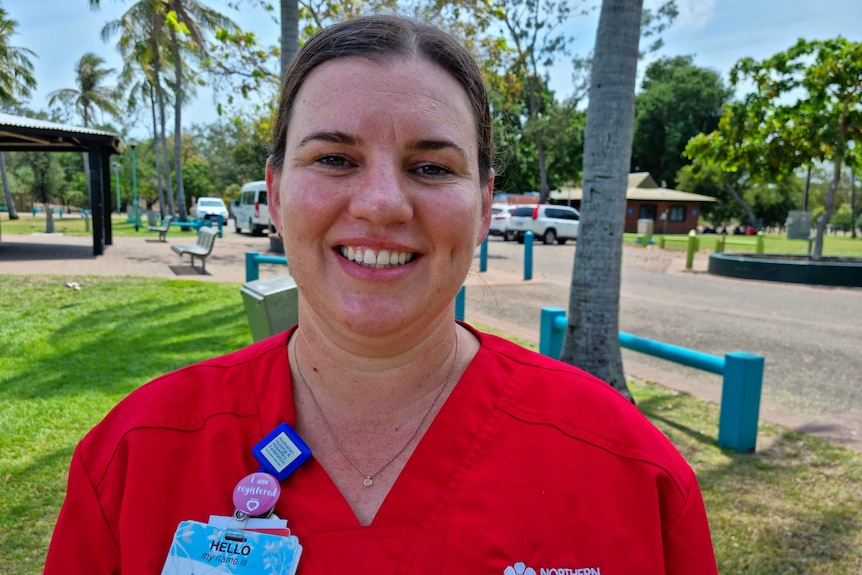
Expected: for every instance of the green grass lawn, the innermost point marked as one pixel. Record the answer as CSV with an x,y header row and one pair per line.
x,y
68,356
70,225
833,245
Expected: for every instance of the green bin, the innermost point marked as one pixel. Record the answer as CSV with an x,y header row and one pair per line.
x,y
271,304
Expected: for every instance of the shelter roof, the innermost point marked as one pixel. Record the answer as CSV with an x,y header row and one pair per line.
x,y
18,133
641,186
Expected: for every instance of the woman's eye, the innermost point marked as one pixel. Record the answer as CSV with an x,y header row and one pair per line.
x,y
433,170
332,161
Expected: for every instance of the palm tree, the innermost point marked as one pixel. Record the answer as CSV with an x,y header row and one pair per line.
x,y
141,45
89,95
186,22
16,79
194,19
592,335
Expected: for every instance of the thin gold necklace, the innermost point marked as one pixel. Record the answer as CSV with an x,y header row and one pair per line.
x,y
368,480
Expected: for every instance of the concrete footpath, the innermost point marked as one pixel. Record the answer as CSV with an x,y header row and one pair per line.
x,y
809,336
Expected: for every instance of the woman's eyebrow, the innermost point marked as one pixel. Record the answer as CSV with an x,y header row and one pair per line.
x,y
439,145
336,137
331,137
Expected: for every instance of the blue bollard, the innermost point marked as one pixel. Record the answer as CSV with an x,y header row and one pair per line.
x,y
528,255
740,401
551,331
251,267
460,301
483,256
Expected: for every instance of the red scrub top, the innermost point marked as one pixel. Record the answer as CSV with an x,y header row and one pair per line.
x,y
530,464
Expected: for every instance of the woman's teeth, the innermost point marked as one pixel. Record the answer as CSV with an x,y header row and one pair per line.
x,y
376,259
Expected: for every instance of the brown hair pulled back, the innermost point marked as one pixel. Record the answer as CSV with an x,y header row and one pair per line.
x,y
379,37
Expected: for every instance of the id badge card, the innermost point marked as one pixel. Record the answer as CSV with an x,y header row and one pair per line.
x,y
206,549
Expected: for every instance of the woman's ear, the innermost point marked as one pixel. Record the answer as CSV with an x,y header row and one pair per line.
x,y
487,200
273,196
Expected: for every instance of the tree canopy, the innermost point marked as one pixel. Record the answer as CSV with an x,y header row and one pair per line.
x,y
805,108
678,100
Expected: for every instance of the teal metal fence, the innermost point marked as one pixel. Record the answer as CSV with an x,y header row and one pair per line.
x,y
741,384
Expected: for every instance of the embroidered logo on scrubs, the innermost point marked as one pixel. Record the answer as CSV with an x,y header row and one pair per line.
x,y
522,569
519,569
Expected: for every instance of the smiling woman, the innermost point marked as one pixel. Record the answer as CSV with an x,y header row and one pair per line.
x,y
402,440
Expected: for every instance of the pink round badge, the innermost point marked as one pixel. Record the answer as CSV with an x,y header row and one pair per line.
x,y
256,494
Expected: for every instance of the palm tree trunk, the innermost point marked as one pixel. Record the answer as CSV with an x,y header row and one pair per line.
x,y
10,204
289,33
160,184
178,128
161,141
49,218
592,335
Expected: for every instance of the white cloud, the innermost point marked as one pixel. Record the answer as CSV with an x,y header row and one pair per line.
x,y
694,14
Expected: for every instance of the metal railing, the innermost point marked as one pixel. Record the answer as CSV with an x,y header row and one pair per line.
x,y
741,384
253,261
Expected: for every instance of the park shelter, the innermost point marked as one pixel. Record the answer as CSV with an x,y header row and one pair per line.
x,y
20,134
672,211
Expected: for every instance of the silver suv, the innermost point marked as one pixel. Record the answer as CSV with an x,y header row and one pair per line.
x,y
551,223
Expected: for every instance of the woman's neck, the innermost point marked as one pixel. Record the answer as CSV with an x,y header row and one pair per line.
x,y
384,376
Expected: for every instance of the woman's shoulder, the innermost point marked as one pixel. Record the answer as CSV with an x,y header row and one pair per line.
x,y
183,400
542,391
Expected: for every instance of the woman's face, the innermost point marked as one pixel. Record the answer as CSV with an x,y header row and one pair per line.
x,y
379,200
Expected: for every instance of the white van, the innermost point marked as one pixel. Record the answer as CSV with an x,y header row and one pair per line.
x,y
250,211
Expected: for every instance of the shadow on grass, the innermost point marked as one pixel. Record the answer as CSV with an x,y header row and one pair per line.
x,y
784,509
116,337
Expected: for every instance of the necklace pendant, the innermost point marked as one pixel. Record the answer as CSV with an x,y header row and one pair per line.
x,y
367,482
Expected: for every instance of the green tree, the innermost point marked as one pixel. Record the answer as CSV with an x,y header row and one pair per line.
x,y
40,173
187,20
592,334
89,95
678,100
709,179
807,107
842,219
534,32
142,43
186,25
16,80
739,156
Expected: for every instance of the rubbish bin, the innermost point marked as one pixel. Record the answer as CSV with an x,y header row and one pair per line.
x,y
645,226
798,225
271,305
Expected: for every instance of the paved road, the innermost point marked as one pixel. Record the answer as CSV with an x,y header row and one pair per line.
x,y
811,337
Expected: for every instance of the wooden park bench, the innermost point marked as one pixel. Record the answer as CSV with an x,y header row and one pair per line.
x,y
162,229
203,247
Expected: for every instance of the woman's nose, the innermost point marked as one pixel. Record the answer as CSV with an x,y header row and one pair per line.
x,y
381,196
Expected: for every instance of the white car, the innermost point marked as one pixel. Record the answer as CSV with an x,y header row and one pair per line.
x,y
548,222
500,219
210,209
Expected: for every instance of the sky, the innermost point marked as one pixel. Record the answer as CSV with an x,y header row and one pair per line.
x,y
716,32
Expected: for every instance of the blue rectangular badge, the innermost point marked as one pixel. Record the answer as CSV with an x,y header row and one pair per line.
x,y
201,548
281,452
